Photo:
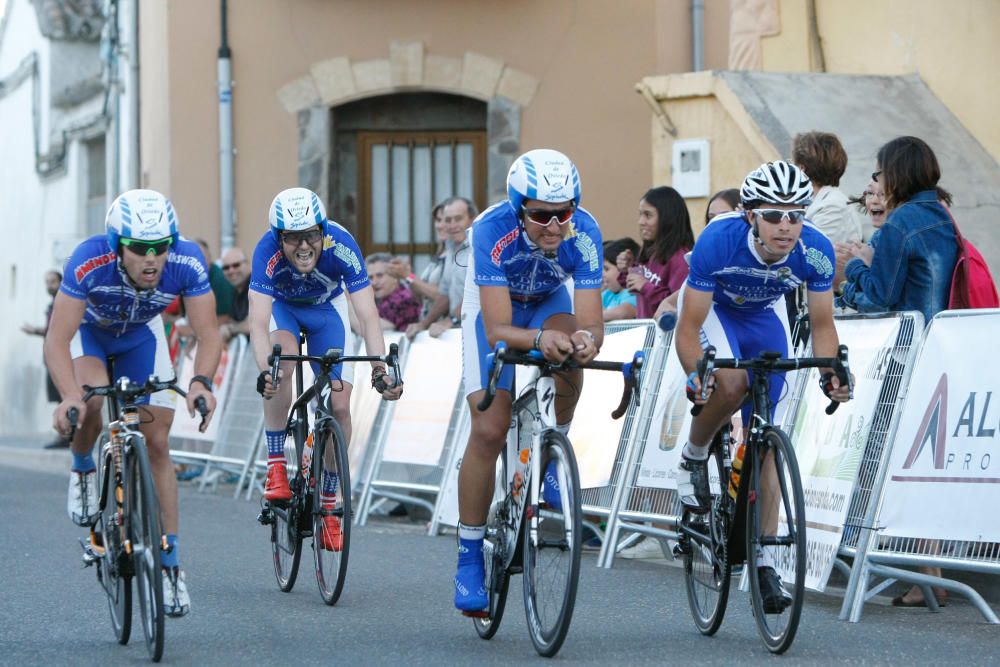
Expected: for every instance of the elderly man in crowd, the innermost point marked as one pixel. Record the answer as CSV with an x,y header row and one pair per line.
x,y
397,307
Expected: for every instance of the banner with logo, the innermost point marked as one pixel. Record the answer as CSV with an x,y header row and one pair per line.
x,y
365,404
830,448
944,471
594,434
668,429
432,377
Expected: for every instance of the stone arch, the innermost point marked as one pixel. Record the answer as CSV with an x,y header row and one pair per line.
x,y
408,68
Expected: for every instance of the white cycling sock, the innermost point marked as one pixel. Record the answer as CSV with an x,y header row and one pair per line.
x,y
765,557
471,532
694,452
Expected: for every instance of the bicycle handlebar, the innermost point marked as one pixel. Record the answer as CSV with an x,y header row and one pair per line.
x,y
495,362
773,361
331,358
127,391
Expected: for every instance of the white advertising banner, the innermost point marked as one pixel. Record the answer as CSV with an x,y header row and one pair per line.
x,y
829,448
432,377
365,404
944,472
594,434
185,426
668,429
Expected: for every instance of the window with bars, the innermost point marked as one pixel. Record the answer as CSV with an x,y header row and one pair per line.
x,y
403,175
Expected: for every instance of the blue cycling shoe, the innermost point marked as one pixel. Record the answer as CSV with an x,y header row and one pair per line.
x,y
550,487
470,581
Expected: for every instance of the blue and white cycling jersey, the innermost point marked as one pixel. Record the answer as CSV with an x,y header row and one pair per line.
x,y
503,256
339,265
725,261
93,274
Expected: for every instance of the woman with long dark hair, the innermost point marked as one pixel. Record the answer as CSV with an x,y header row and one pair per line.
x,y
665,232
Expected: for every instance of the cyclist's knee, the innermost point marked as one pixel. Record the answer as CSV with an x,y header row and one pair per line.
x,y
730,390
487,437
342,413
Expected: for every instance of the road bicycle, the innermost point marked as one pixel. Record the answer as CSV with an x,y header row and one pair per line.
x,y
127,538
751,495
320,450
535,527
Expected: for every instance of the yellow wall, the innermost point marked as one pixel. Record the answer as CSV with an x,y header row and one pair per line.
x,y
585,54
953,45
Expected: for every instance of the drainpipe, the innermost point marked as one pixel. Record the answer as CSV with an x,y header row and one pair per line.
x,y
697,35
226,152
134,173
112,101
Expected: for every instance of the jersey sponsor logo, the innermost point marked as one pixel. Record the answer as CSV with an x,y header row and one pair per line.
x,y
93,263
328,242
819,261
271,263
193,262
502,243
588,250
347,256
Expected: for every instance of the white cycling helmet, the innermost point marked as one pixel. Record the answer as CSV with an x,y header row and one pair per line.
x,y
143,215
545,175
777,182
295,209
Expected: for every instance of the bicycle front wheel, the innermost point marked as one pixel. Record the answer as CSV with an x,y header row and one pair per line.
x,y
114,570
552,550
331,512
146,534
776,538
286,544
704,540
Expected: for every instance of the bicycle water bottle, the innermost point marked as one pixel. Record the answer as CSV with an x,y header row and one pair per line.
x,y
307,457
734,476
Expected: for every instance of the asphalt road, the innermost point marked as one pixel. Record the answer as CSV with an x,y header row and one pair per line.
x,y
396,608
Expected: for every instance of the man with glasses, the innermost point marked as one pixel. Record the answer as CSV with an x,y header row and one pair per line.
x,y
237,272
741,267
304,270
534,281
115,287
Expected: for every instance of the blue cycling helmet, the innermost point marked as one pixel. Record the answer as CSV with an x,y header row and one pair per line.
x,y
295,209
545,175
142,215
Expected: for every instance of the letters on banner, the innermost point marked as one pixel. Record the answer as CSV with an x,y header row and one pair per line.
x,y
830,448
944,472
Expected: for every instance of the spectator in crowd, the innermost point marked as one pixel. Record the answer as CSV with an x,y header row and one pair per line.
x,y
425,286
872,203
397,307
445,313
723,201
660,268
237,271
618,303
822,157
221,287
52,281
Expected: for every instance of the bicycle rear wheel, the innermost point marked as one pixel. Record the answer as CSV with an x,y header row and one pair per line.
x,y
331,520
495,551
706,554
113,567
552,554
146,535
776,499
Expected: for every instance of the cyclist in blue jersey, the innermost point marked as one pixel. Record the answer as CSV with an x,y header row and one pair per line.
x,y
304,270
741,267
115,287
534,282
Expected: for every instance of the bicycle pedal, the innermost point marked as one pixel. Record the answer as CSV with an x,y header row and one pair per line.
x,y
90,555
476,614
265,518
680,550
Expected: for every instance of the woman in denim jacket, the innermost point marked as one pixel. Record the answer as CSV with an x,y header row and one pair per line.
x,y
911,267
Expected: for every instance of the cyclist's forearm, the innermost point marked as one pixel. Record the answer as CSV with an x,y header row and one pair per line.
x,y
60,366
515,337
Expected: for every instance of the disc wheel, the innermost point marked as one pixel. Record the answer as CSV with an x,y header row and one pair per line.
x,y
776,536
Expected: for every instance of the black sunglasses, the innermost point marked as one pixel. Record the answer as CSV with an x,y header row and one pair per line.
x,y
234,265
143,248
296,238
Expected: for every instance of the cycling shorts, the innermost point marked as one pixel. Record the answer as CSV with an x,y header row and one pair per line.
x,y
325,325
742,334
138,353
475,347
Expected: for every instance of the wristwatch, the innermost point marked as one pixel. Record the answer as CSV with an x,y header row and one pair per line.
x,y
202,379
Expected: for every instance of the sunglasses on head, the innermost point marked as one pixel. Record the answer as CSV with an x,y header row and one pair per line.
x,y
234,265
143,248
543,216
776,215
296,238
